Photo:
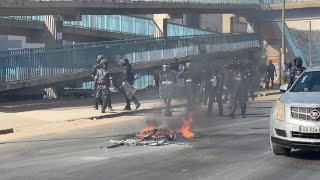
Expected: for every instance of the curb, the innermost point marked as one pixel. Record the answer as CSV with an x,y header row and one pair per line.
x,y
124,113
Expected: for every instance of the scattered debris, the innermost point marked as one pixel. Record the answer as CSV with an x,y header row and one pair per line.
x,y
6,131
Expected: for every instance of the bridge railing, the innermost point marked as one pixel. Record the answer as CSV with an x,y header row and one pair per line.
x,y
287,1
124,24
60,61
162,1
296,51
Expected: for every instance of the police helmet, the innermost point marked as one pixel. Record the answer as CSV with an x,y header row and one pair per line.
x,y
298,59
165,68
124,61
188,65
103,60
99,57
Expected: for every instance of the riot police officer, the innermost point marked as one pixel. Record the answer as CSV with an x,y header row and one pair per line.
x,y
167,82
102,83
205,83
287,72
190,83
215,89
271,71
240,90
128,75
296,71
93,74
250,79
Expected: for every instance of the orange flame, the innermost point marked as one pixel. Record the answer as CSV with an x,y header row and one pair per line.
x,y
149,127
185,129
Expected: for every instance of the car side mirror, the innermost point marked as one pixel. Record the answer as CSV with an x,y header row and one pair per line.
x,y
284,87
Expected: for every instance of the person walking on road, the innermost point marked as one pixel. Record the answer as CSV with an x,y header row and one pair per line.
x,y
128,76
102,85
215,89
93,74
270,73
240,90
167,86
190,83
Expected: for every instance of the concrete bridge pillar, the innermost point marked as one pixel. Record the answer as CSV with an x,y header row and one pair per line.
x,y
161,21
55,27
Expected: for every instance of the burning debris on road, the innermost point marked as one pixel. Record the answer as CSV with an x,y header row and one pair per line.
x,y
153,136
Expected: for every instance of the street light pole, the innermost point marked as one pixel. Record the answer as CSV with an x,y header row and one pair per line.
x,y
283,40
310,43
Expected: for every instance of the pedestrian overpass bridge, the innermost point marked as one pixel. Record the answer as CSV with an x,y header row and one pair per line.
x,y
74,9
46,67
94,28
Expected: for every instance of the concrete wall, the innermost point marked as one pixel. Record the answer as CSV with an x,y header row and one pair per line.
x,y
212,22
8,42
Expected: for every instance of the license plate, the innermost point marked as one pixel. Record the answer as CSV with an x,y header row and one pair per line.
x,y
166,82
309,129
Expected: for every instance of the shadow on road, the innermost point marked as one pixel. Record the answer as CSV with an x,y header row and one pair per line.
x,y
305,155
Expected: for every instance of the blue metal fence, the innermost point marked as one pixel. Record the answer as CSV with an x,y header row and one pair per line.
x,y
124,24
292,44
60,61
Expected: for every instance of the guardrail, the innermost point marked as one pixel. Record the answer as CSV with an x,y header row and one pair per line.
x,y
296,51
59,61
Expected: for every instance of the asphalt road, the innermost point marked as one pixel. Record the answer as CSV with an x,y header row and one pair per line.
x,y
223,149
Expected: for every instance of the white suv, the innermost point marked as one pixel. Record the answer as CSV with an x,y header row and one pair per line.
x,y
295,117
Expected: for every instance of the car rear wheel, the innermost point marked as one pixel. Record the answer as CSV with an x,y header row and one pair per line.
x,y
279,150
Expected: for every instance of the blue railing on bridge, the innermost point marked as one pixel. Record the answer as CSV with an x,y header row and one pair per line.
x,y
125,24
296,51
60,61
181,30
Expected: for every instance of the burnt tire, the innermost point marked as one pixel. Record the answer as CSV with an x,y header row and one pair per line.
x,y
279,150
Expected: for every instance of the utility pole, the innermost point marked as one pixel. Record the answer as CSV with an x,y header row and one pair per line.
x,y
310,43
283,40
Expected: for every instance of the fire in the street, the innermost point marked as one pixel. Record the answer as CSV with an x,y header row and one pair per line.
x,y
149,127
185,129
152,132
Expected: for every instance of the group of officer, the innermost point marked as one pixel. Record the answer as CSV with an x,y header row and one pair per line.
x,y
206,84
104,85
203,83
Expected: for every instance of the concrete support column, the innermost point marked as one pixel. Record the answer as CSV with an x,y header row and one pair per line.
x,y
161,21
55,27
227,23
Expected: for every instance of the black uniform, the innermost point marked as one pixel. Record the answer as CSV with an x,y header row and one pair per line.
x,y
205,83
295,72
128,75
250,80
167,84
271,70
215,89
239,91
191,86
102,79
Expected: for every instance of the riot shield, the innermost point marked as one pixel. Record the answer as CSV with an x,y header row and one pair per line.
x,y
128,89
